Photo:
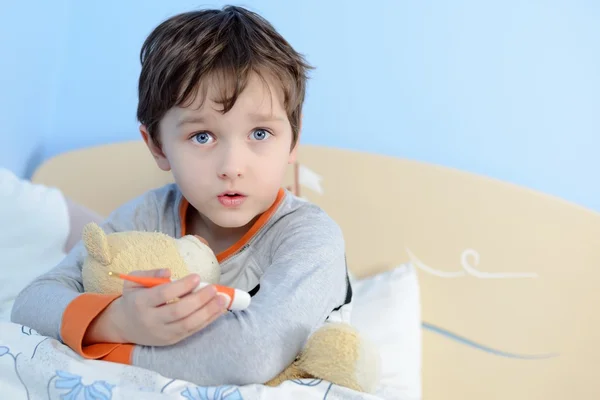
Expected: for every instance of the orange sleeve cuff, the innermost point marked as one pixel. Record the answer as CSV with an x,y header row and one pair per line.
x,y
77,318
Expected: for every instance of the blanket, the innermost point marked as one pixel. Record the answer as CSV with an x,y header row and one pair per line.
x,y
38,367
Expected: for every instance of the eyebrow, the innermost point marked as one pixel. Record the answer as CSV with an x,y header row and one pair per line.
x,y
192,119
258,117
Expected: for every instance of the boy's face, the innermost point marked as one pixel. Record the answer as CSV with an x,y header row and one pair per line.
x,y
229,166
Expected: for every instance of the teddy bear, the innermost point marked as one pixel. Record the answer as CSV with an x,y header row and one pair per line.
x,y
125,252
336,352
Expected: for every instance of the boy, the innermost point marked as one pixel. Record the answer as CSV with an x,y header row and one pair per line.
x,y
220,101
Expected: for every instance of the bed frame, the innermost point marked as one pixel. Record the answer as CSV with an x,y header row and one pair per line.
x,y
509,276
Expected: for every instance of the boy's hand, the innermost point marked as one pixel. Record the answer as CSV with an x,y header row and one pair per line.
x,y
149,316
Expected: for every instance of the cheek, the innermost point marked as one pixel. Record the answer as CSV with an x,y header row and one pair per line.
x,y
188,167
273,167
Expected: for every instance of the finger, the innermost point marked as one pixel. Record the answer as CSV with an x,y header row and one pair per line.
x,y
186,305
161,294
200,319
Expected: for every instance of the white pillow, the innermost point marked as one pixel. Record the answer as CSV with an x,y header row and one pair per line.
x,y
34,226
387,311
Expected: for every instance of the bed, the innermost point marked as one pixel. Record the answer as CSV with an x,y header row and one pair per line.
x,y
505,278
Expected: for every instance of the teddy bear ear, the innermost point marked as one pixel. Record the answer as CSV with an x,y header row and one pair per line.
x,y
96,243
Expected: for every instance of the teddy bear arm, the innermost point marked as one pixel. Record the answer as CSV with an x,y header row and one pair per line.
x,y
338,354
292,372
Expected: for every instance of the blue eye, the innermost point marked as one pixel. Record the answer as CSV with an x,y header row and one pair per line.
x,y
260,134
202,137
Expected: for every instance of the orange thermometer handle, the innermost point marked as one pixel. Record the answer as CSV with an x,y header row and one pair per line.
x,y
238,299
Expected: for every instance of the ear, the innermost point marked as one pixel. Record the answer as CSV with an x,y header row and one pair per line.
x,y
155,150
96,243
294,152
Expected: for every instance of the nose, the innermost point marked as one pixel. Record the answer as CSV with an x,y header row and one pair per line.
x,y
232,163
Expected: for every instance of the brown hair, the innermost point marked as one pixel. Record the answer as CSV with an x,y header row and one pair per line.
x,y
228,45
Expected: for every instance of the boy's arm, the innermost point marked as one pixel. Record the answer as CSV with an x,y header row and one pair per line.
x,y
304,283
42,304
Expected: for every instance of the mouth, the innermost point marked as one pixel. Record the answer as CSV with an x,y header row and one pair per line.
x,y
232,199
232,195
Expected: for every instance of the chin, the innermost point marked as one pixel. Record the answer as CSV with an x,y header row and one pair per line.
x,y
233,222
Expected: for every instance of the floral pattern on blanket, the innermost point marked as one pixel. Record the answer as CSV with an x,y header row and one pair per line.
x,y
37,367
74,385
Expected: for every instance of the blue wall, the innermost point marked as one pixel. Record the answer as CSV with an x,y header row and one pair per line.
x,y
510,90
31,47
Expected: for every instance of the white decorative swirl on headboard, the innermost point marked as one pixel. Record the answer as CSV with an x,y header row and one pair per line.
x,y
468,269
442,274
